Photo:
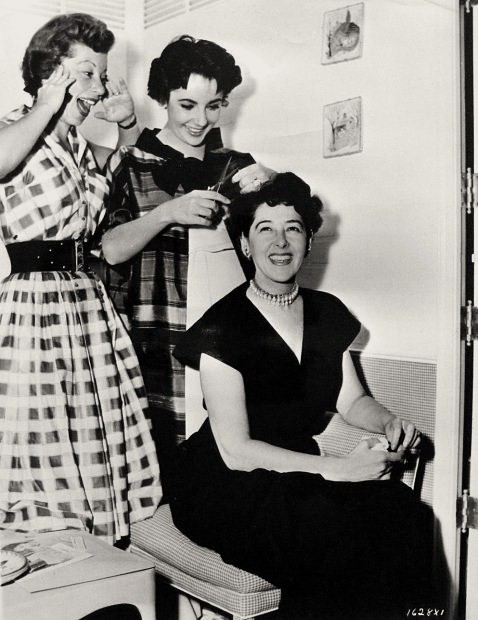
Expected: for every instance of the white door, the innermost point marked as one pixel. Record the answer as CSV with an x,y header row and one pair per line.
x,y
470,466
472,553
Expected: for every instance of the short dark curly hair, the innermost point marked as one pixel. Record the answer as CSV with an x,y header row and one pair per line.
x,y
53,41
283,188
186,55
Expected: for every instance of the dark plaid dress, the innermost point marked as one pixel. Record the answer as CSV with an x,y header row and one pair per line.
x,y
76,450
151,289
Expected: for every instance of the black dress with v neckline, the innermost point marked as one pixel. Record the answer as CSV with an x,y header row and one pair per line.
x,y
286,399
317,540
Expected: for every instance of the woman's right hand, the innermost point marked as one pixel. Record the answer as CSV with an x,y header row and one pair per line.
x,y
18,138
52,91
197,208
363,464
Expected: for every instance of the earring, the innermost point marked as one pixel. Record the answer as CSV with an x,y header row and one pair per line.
x,y
247,253
309,246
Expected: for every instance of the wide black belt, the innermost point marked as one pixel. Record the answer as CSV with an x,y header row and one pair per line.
x,y
67,255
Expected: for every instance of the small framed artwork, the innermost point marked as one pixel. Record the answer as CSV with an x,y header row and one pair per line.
x,y
343,34
342,127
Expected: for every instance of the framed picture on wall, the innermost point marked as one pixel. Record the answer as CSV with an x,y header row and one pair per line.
x,y
342,127
343,34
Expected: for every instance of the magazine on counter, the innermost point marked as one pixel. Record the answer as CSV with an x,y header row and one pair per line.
x,y
41,552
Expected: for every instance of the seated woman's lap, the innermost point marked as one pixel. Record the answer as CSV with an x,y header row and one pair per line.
x,y
280,526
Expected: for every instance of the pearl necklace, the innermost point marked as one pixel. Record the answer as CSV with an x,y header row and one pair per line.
x,y
278,299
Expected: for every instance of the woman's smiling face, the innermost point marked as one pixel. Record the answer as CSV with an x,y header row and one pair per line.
x,y
193,111
89,70
277,244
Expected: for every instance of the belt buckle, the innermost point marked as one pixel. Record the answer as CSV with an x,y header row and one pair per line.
x,y
79,255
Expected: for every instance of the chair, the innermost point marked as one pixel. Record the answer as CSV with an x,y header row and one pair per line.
x,y
201,574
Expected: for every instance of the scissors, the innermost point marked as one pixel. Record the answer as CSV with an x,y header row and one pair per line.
x,y
225,176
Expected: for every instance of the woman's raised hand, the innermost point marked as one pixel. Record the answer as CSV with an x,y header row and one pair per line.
x,y
362,464
197,208
118,105
251,178
52,91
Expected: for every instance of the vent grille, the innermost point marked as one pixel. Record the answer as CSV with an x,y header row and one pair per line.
x,y
48,8
111,11
197,4
408,389
157,11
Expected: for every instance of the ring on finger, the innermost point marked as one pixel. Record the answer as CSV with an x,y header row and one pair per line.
x,y
257,183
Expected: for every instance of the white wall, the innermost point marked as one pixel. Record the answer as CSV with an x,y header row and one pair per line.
x,y
382,235
390,244
16,31
379,249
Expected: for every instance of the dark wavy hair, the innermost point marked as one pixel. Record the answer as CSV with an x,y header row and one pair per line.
x,y
186,55
53,41
284,188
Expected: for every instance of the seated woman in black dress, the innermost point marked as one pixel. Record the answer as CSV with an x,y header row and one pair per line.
x,y
340,536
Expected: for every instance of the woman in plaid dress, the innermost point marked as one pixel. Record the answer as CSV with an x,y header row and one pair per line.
x,y
159,189
76,449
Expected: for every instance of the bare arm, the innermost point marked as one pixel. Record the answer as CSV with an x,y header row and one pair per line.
x,y
229,423
118,107
129,135
362,411
17,139
125,138
196,208
121,243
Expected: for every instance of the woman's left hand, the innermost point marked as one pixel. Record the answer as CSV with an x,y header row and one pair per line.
x,y
402,433
251,178
118,105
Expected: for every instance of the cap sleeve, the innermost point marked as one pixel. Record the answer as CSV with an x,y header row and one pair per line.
x,y
337,326
215,334
332,327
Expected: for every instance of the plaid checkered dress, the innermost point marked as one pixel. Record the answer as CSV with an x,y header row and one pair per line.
x,y
76,449
152,288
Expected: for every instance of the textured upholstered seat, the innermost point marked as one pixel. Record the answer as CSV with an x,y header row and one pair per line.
x,y
201,573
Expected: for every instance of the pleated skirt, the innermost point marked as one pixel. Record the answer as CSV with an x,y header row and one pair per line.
x,y
76,449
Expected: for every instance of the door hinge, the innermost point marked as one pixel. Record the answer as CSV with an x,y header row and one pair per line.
x,y
467,512
469,190
469,323
469,4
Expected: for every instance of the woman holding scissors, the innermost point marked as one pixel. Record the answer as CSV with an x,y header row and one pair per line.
x,y
160,188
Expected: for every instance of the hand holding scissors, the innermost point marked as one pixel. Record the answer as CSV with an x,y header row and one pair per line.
x,y
201,207
196,208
